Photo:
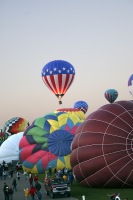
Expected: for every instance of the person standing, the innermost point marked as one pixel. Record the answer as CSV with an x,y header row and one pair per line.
x,y
4,174
50,170
32,192
6,191
37,186
35,178
31,180
18,176
14,184
10,193
39,195
70,178
25,174
11,172
17,168
26,192
1,175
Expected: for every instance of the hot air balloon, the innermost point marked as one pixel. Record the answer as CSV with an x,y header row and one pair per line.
x,y
82,105
130,84
47,142
102,147
76,111
15,125
2,136
111,95
58,76
9,150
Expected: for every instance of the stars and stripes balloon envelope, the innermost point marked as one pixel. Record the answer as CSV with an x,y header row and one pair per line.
x,y
47,142
58,76
102,149
82,105
130,84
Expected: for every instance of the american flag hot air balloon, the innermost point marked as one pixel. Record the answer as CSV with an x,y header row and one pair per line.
x,y
58,76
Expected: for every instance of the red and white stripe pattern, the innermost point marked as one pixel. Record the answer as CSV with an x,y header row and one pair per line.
x,y
58,83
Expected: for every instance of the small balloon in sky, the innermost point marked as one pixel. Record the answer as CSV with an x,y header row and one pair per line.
x,y
82,105
130,84
111,95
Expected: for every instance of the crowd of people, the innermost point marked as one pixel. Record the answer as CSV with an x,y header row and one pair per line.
x,y
33,190
64,173
14,177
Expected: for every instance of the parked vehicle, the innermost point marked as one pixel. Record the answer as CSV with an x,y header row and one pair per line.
x,y
56,187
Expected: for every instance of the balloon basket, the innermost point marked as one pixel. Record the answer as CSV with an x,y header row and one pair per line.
x,y
60,102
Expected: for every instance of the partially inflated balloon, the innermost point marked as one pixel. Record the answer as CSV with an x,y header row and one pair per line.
x,y
76,111
47,142
9,150
102,149
82,105
111,95
58,76
15,125
2,136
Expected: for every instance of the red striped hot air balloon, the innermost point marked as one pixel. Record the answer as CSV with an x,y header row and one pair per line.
x,y
58,76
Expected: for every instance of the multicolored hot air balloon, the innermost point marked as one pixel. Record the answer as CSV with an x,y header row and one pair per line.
x,y
82,105
111,95
130,84
15,125
2,136
76,111
47,142
58,76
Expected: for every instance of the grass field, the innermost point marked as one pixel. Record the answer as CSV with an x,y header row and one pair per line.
x,y
78,191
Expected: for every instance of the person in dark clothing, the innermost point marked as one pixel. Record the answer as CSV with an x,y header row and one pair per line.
x,y
39,195
31,180
14,184
70,178
37,186
50,170
6,191
10,193
11,173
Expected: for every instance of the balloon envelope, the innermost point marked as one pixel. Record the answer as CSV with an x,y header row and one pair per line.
x,y
47,142
74,111
15,125
2,136
58,76
102,153
130,84
9,150
111,95
82,105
